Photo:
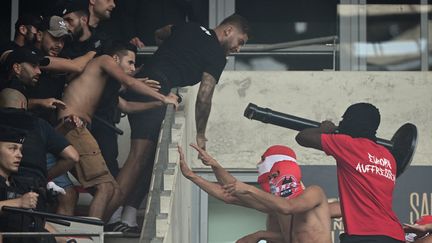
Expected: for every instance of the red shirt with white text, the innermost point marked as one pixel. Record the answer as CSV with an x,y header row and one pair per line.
x,y
366,180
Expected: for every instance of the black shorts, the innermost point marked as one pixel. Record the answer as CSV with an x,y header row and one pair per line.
x,y
147,124
345,238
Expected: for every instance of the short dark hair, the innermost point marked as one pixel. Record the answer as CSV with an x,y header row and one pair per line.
x,y
29,19
79,7
82,12
360,120
120,48
238,21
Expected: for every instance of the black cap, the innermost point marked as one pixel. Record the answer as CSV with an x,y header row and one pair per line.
x,y
29,19
71,6
23,54
15,124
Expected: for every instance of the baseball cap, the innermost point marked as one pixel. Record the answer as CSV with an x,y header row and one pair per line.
x,y
71,6
56,26
23,54
11,134
29,19
14,125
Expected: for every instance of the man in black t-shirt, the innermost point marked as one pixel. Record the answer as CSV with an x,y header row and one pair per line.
x,y
189,54
26,28
13,127
40,140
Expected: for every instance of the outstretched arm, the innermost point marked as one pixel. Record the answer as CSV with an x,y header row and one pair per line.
x,y
203,107
75,65
130,107
312,197
417,228
113,70
48,103
216,190
222,175
213,189
335,210
311,137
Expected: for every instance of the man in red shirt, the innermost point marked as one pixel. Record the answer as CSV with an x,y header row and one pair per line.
x,y
366,174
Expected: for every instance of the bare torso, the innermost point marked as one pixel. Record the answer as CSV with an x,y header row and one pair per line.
x,y
312,226
82,95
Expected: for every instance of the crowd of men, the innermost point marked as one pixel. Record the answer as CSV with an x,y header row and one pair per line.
x,y
64,83
72,81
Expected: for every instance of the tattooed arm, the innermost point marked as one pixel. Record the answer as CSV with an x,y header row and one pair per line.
x,y
203,107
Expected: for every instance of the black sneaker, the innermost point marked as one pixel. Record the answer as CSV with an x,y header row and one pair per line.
x,y
114,227
132,229
129,231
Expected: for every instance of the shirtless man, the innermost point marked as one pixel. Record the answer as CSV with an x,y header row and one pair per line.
x,y
82,97
310,220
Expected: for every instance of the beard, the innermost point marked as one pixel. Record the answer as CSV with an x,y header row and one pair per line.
x,y
226,48
78,33
30,39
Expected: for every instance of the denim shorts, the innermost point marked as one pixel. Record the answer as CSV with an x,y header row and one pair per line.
x,y
62,181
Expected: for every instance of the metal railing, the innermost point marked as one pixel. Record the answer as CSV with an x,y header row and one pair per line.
x,y
101,235
57,218
326,45
161,163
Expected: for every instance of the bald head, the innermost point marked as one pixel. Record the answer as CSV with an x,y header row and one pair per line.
x,y
12,98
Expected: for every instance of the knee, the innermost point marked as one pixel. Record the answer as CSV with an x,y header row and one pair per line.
x,y
141,149
119,194
137,154
105,188
70,197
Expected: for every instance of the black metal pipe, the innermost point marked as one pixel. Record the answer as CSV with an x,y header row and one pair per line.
x,y
267,115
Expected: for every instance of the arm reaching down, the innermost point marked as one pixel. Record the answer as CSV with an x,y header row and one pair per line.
x,y
203,107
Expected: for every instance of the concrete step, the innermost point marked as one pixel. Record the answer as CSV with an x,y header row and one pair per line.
x,y
122,240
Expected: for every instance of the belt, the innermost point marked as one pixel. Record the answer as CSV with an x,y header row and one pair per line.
x,y
69,119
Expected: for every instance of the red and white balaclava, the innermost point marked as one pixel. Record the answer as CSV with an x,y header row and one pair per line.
x,y
272,155
285,179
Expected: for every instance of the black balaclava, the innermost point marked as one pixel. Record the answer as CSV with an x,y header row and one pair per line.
x,y
360,120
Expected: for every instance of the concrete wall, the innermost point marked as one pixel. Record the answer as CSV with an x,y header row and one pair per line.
x,y
238,142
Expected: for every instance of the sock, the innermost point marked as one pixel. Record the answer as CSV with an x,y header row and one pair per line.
x,y
129,216
116,217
